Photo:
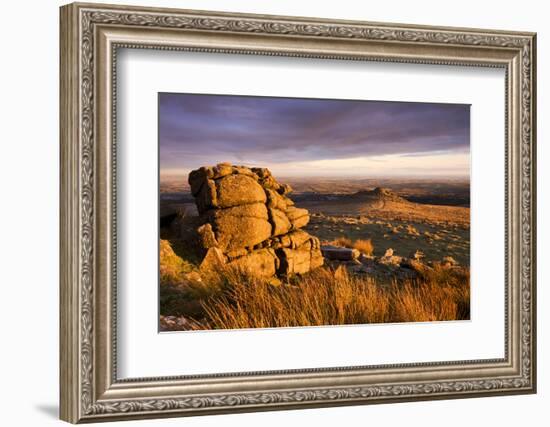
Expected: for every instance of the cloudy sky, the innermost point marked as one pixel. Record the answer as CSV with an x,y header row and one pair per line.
x,y
314,137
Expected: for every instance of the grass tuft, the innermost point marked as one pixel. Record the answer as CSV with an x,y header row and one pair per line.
x,y
343,242
364,246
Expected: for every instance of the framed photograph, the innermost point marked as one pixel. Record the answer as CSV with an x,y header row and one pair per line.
x,y
266,212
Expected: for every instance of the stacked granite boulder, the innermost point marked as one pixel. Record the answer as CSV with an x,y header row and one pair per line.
x,y
249,222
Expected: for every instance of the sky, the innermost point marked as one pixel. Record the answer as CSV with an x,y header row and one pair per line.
x,y
314,137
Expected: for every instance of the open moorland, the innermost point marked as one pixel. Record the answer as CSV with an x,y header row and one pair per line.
x,y
393,250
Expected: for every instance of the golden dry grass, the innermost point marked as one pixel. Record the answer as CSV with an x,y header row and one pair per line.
x,y
342,241
327,297
364,246
231,299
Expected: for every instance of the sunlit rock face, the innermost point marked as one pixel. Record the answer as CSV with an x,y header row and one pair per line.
x,y
248,221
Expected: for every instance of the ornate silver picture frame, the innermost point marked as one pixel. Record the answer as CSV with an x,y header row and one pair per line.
x,y
91,35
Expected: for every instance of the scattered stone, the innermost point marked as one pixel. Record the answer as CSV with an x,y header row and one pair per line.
x,y
178,323
411,230
366,259
350,221
389,252
193,276
393,260
415,265
274,281
449,261
339,253
417,255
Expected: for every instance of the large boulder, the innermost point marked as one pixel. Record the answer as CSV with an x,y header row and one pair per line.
x,y
240,226
276,201
294,261
251,223
281,223
207,196
298,217
260,263
299,260
223,189
207,236
340,253
235,190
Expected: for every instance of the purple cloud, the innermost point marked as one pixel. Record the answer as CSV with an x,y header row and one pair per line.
x,y
203,129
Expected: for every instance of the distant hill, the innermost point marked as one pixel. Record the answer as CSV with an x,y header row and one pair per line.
x,y
383,203
378,195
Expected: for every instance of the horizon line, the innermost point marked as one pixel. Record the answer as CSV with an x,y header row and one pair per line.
x,y
328,176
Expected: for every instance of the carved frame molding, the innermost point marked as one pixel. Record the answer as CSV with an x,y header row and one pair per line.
x,y
90,36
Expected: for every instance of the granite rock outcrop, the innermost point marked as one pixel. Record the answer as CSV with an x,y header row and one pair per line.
x,y
248,221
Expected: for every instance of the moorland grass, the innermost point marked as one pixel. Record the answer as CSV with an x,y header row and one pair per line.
x,y
336,297
232,299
